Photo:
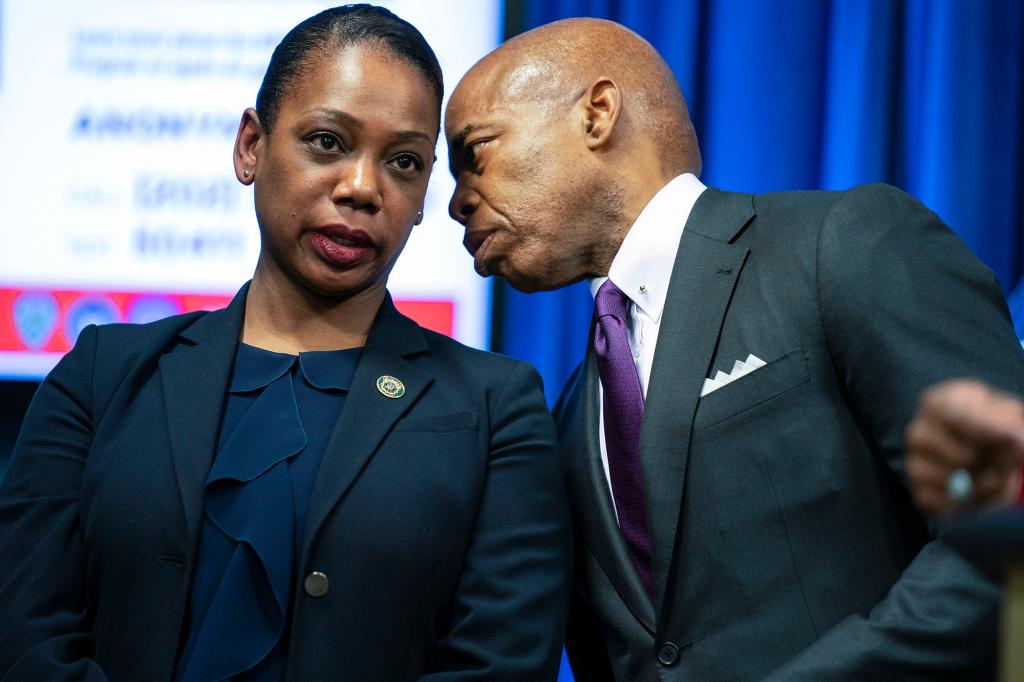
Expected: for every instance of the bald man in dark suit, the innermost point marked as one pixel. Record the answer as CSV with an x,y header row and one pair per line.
x,y
734,438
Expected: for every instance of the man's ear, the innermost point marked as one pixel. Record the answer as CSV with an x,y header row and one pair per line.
x,y
602,105
247,146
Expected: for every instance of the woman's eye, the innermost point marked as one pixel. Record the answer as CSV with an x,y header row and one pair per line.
x,y
325,142
407,162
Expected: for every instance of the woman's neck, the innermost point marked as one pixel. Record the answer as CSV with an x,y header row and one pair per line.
x,y
282,317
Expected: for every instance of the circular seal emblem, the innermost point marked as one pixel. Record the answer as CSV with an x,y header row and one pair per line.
x,y
36,315
88,310
390,387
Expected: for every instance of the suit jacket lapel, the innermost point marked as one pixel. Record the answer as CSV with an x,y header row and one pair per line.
x,y
368,415
591,499
703,279
195,379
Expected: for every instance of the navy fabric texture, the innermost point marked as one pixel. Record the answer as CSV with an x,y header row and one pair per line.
x,y
278,418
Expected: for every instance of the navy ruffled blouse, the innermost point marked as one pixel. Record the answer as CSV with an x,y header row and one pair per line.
x,y
279,415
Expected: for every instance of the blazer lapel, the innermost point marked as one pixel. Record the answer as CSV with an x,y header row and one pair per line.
x,y
195,379
368,414
703,279
591,499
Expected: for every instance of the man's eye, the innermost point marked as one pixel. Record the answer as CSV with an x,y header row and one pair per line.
x,y
473,152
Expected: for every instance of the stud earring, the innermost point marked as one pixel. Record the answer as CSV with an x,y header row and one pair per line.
x,y
245,174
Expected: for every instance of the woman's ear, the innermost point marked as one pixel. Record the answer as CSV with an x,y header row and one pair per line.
x,y
602,105
247,145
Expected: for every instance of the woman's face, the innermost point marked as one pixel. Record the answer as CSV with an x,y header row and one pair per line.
x,y
340,180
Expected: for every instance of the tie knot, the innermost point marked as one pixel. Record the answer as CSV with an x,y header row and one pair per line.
x,y
610,301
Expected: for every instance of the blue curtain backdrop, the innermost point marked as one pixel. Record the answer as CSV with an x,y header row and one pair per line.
x,y
801,94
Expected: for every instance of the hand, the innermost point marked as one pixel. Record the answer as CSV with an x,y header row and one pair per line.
x,y
964,424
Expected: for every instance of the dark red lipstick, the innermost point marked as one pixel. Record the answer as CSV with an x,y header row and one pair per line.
x,y
341,245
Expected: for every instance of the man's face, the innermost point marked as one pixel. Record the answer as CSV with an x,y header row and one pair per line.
x,y
520,176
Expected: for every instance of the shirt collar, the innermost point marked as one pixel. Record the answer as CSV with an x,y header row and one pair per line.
x,y
256,368
643,265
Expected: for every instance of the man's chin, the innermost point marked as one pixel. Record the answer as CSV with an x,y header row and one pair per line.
x,y
482,269
527,283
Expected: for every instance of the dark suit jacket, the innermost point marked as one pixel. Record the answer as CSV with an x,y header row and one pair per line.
x,y
783,535
439,518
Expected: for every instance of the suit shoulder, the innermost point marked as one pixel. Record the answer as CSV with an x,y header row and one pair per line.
x,y
128,339
810,206
139,334
473,365
801,215
122,346
445,346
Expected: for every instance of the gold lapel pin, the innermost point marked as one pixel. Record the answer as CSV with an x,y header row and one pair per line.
x,y
390,387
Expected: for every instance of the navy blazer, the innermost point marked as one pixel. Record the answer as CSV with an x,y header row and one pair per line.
x,y
439,518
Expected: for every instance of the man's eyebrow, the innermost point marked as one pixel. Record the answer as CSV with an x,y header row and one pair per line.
x,y
457,143
459,138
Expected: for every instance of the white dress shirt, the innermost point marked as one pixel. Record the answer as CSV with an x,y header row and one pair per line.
x,y
642,268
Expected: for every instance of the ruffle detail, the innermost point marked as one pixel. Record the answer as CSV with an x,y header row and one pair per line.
x,y
248,499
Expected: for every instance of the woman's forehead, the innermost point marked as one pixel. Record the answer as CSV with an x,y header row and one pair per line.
x,y
365,81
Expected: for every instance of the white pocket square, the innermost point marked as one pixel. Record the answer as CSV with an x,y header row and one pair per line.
x,y
741,368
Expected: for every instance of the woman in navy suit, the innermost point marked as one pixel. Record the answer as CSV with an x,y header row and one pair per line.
x,y
305,485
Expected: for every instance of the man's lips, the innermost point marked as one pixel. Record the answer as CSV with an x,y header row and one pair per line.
x,y
477,244
341,245
474,239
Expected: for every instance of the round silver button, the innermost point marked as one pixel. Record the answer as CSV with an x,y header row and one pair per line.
x,y
316,584
668,654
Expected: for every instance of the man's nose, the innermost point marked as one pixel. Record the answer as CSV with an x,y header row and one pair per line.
x,y
464,202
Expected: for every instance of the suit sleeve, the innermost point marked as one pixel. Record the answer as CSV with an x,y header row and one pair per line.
x,y
44,631
905,304
508,617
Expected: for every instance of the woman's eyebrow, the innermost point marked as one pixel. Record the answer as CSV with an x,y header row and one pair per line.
x,y
353,121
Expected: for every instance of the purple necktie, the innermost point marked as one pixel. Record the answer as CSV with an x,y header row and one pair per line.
x,y
623,414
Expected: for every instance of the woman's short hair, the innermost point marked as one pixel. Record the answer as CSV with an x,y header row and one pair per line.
x,y
335,29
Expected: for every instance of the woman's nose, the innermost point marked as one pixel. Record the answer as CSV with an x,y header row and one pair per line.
x,y
358,185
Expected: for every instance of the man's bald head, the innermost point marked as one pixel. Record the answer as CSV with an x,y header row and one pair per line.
x,y
557,140
552,66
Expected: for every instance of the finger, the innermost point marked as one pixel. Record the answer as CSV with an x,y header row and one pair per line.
x,y
995,485
930,440
975,413
933,500
926,472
